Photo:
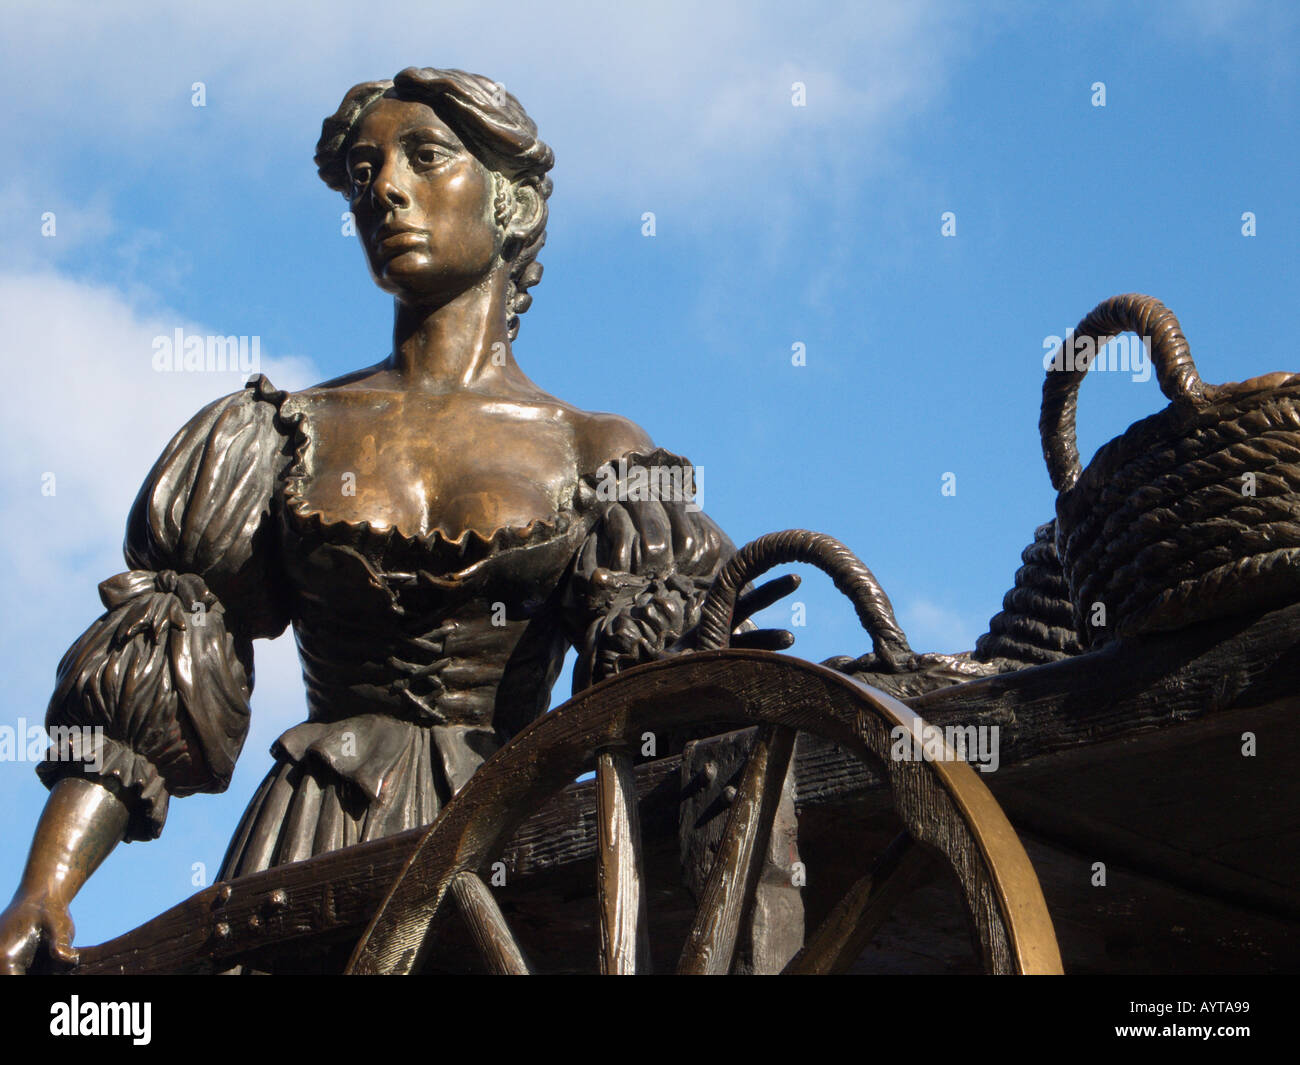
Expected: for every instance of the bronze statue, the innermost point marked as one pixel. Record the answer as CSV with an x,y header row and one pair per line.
x,y
436,527
439,531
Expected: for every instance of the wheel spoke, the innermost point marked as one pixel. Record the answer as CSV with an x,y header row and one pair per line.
x,y
844,934
942,803
496,944
624,934
711,944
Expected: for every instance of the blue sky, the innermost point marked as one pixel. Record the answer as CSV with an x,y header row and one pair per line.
x,y
775,225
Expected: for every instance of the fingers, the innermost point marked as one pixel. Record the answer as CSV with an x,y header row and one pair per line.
x,y
764,639
764,596
19,952
59,932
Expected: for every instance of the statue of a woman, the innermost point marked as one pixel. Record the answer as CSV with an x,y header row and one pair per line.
x,y
437,529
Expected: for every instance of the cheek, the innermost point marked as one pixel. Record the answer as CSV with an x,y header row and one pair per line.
x,y
473,196
463,212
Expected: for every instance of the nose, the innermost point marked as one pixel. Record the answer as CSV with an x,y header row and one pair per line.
x,y
387,193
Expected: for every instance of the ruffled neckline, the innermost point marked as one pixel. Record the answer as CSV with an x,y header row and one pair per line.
x,y
460,554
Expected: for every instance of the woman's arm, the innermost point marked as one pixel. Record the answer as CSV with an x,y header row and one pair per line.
x,y
152,701
636,587
81,824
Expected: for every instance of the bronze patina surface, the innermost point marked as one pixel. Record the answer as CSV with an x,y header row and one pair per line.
x,y
437,529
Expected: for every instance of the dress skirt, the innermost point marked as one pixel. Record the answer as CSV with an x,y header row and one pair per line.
x,y
340,783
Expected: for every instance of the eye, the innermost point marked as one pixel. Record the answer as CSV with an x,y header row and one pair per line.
x,y
430,155
361,175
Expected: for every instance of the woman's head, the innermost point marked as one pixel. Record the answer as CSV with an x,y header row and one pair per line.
x,y
465,144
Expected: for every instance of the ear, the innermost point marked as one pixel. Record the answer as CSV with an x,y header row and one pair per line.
x,y
525,212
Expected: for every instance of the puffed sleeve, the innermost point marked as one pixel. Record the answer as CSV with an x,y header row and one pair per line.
x,y
152,700
640,576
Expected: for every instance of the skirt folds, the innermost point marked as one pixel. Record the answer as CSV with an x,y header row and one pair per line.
x,y
339,783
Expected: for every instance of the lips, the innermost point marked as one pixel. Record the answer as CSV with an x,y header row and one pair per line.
x,y
391,241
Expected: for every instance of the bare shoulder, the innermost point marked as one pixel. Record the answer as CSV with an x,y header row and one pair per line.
x,y
600,437
366,379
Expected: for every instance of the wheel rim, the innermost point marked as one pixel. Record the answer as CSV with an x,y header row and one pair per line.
x,y
943,805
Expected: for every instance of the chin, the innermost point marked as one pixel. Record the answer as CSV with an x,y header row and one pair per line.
x,y
424,285
402,274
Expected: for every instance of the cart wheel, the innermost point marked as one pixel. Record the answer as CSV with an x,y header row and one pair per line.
x,y
950,817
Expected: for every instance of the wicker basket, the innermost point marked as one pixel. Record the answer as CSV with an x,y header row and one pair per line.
x,y
1194,512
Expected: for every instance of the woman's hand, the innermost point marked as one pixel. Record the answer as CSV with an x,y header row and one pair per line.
x,y
29,924
82,822
747,605
751,603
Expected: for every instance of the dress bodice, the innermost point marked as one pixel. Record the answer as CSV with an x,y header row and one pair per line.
x,y
424,627
421,654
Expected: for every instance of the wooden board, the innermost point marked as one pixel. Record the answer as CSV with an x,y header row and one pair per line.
x,y
1131,756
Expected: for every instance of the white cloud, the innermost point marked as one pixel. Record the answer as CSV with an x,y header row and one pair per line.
x,y
638,105
82,402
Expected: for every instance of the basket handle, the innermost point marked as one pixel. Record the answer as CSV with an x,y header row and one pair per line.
x,y
1147,317
848,572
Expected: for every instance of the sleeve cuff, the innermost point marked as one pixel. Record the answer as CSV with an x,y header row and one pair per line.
x,y
109,762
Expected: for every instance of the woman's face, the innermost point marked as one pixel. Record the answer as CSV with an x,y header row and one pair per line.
x,y
423,203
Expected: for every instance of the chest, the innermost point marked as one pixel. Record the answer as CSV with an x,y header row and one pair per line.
x,y
422,464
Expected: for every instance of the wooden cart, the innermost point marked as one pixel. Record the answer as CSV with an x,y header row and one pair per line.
x,y
1152,783
801,821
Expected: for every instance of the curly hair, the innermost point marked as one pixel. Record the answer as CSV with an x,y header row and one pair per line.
x,y
492,124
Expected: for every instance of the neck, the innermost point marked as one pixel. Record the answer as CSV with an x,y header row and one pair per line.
x,y
457,344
